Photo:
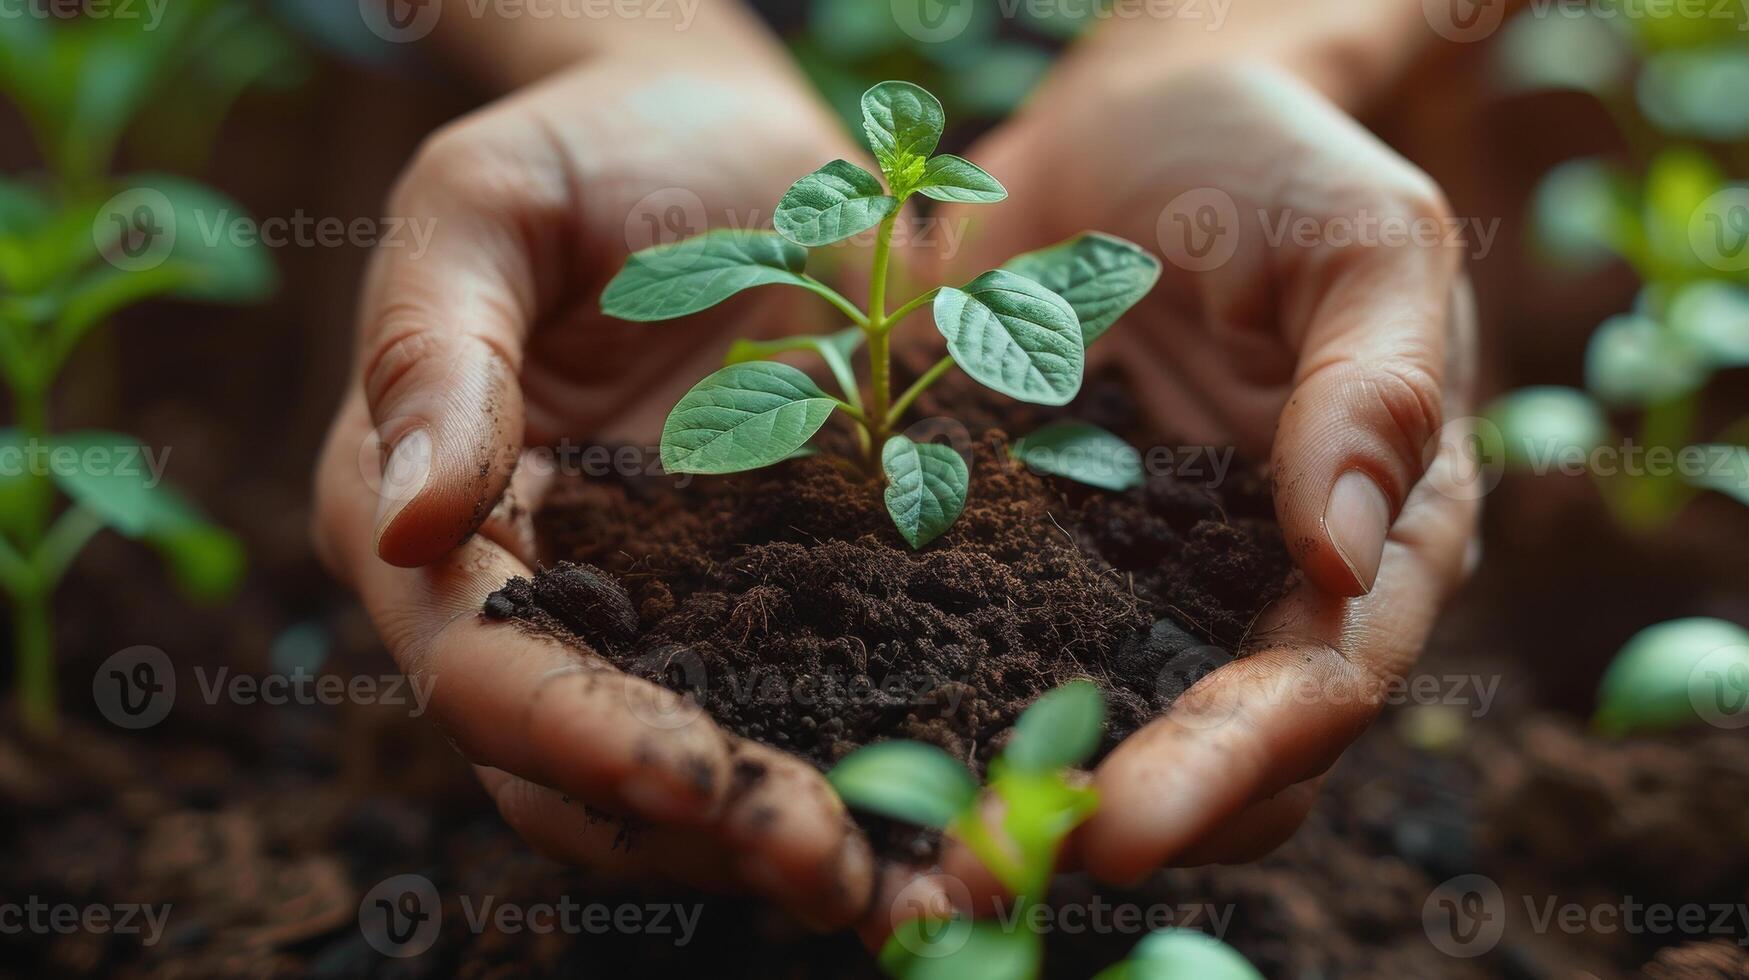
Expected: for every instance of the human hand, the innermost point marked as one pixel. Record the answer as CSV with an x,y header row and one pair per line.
x,y
1335,360
489,343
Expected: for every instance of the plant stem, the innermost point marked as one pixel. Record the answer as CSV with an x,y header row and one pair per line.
x,y
917,388
879,349
911,307
837,299
973,833
32,635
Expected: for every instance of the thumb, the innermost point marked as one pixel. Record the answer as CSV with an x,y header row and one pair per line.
x,y
1366,407
441,349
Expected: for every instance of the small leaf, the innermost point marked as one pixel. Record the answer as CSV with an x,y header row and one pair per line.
x,y
950,178
962,949
907,781
1061,729
1084,453
1583,212
1544,424
1713,318
674,280
743,417
904,124
835,349
1173,954
831,204
926,488
1015,336
1632,360
1674,674
1726,472
1102,276
113,476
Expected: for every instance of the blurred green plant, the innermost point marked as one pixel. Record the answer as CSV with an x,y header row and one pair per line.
x,y
1676,211
77,247
957,49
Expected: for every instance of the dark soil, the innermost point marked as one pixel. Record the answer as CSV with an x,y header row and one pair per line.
x,y
787,604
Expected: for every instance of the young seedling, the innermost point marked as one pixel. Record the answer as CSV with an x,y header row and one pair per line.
x,y
76,248
1021,330
1040,802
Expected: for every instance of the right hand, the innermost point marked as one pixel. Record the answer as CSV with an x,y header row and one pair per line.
x,y
491,342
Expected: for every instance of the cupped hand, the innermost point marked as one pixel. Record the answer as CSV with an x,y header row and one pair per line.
x,y
1283,327
486,347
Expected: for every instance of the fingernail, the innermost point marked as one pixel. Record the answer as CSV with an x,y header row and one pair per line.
x,y
1357,518
652,798
404,475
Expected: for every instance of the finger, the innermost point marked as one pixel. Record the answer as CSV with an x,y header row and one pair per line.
x,y
1367,399
561,717
567,830
907,893
1257,830
1282,715
442,328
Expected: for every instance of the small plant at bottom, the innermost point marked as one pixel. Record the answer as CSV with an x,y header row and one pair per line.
x,y
1021,330
1041,803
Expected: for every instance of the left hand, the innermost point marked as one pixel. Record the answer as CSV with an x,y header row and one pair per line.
x,y
1337,360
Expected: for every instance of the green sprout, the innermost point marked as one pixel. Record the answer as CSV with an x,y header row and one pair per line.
x,y
1041,803
77,247
1021,330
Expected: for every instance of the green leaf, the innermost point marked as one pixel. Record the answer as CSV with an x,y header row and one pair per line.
x,y
113,476
1540,425
1585,54
907,781
962,949
190,249
206,559
673,280
904,124
1082,452
996,77
1729,476
743,417
1175,954
1674,674
1697,92
1015,336
1631,360
1061,729
835,349
831,204
1713,318
950,178
1583,211
1102,276
926,488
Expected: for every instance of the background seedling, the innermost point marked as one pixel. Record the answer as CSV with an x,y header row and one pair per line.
x,y
76,247
1021,330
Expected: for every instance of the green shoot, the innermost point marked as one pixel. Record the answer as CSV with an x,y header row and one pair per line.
x,y
1021,330
1041,804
